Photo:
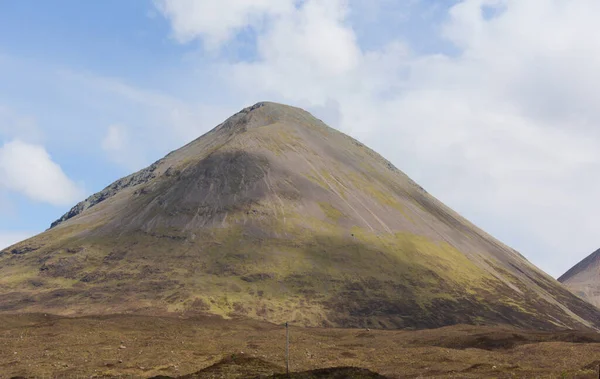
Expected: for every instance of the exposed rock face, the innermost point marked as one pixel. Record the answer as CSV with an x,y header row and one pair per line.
x,y
273,215
133,180
583,279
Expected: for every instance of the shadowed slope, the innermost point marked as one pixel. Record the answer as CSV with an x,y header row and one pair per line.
x,y
273,215
584,278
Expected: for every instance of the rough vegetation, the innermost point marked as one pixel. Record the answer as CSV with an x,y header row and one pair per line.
x,y
35,346
274,216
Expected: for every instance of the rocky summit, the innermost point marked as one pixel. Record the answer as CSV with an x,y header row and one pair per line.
x,y
584,278
272,215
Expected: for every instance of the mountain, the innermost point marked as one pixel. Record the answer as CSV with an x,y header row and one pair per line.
x,y
273,215
584,278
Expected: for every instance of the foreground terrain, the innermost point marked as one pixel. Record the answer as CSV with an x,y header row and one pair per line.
x,y
37,345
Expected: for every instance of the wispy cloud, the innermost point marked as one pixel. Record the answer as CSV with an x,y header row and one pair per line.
x,y
146,123
14,125
119,147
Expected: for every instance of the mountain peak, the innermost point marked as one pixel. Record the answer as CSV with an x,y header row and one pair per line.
x,y
267,113
273,215
261,114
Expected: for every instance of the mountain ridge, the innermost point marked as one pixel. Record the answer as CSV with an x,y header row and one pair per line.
x,y
276,216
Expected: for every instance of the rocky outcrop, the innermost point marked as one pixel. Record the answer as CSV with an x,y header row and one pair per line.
x,y
132,180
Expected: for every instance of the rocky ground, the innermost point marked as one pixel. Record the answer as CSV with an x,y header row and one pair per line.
x,y
38,345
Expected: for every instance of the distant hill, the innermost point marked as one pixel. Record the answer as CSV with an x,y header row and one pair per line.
x,y
273,215
584,278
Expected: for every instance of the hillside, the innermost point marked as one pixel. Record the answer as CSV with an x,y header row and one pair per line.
x,y
584,278
273,215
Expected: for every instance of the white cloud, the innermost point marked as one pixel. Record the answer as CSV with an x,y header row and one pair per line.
x,y
10,238
312,56
505,128
218,22
312,39
28,169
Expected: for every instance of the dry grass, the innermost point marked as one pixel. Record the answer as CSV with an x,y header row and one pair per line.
x,y
37,345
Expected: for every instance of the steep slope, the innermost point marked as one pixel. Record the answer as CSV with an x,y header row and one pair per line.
x,y
584,278
273,215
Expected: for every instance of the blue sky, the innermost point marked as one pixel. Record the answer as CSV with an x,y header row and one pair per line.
x,y
43,48
491,105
